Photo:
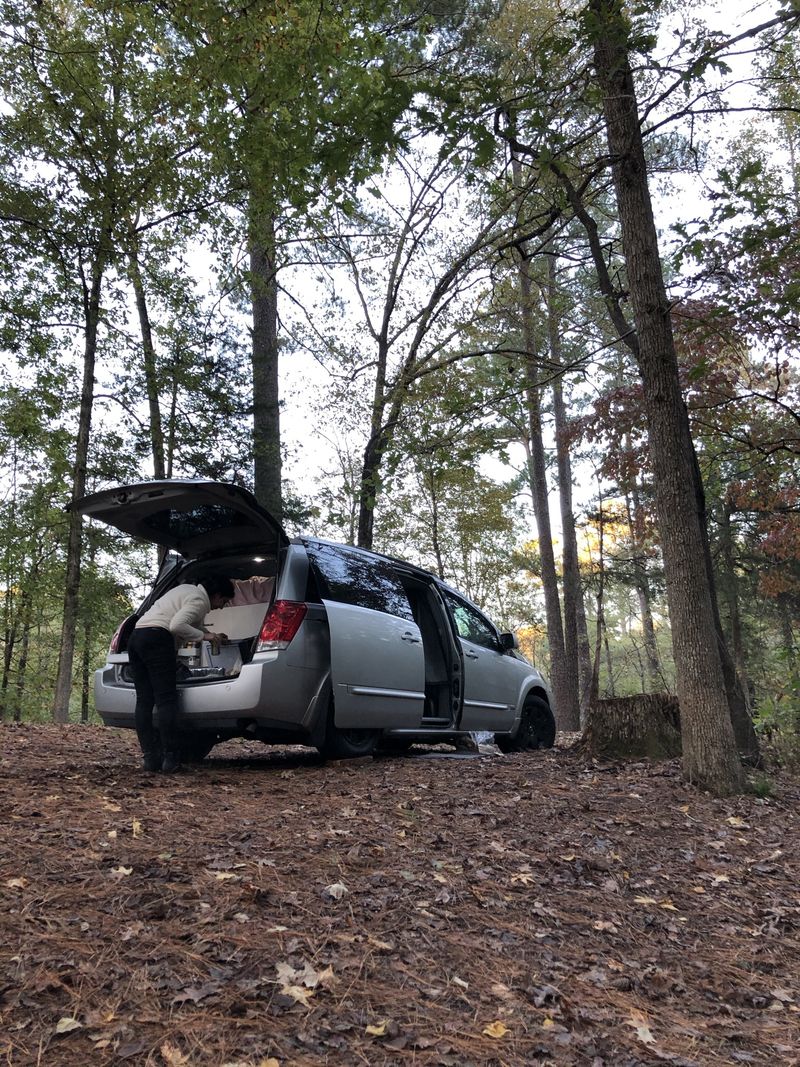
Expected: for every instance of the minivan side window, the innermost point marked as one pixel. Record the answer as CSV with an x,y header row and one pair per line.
x,y
352,577
470,624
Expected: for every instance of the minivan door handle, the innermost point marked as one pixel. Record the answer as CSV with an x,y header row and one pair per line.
x,y
408,636
472,655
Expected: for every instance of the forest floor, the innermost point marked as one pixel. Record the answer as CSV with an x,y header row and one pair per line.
x,y
264,908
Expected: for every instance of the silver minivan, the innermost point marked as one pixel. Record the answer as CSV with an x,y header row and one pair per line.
x,y
328,645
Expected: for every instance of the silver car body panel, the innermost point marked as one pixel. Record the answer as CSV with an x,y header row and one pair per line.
x,y
377,668
492,686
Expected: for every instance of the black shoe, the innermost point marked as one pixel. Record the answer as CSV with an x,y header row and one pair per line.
x,y
171,763
151,761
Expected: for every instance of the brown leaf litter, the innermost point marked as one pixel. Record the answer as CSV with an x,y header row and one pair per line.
x,y
265,908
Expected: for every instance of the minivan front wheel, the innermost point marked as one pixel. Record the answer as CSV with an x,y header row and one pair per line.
x,y
537,728
347,743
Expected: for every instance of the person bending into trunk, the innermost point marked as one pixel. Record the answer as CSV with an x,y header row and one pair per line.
x,y
175,618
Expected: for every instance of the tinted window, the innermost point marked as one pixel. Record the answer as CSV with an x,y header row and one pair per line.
x,y
470,624
353,577
203,519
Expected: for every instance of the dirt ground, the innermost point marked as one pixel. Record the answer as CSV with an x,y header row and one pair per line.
x,y
266,909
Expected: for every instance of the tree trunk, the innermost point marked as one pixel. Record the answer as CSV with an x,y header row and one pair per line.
x,y
633,507
379,436
565,690
22,663
149,360
266,397
709,751
435,541
576,634
63,687
731,592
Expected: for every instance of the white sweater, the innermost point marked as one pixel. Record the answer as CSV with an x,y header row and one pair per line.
x,y
181,611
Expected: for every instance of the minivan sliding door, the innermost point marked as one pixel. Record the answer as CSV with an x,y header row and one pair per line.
x,y
377,658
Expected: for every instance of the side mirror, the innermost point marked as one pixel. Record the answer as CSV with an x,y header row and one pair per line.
x,y
508,642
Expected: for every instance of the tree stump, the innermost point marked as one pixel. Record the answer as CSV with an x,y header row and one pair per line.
x,y
647,724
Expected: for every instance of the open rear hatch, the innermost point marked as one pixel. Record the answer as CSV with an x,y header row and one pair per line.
x,y
193,517
199,520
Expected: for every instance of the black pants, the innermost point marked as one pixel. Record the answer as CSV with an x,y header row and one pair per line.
x,y
151,652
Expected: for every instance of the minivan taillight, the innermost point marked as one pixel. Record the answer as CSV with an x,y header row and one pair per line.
x,y
281,623
115,640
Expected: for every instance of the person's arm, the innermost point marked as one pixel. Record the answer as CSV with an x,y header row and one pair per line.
x,y
187,621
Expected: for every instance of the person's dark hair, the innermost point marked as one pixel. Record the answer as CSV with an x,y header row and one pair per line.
x,y
218,583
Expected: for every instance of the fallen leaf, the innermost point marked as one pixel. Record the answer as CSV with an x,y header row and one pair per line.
x,y
734,820
291,978
136,826
337,890
460,982
121,872
226,876
378,1029
548,1023
108,806
67,1024
17,883
298,994
640,1025
522,879
698,889
782,994
496,1029
271,1062
172,1056
667,905
645,900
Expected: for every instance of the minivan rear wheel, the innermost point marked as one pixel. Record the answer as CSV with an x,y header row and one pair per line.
x,y
537,728
346,743
196,746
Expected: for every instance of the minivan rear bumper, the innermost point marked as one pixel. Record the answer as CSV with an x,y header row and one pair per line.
x,y
267,692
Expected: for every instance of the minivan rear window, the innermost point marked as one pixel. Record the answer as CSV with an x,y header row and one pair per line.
x,y
194,522
352,577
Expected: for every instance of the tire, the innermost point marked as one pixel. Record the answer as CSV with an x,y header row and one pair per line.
x,y
196,746
537,728
347,743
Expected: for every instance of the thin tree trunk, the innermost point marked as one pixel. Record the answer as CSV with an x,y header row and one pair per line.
x,y
437,548
266,396
10,639
63,687
609,664
22,663
576,634
369,486
149,360
731,592
564,682
600,622
709,750
642,585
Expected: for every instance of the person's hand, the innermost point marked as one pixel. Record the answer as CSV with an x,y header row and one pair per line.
x,y
215,640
